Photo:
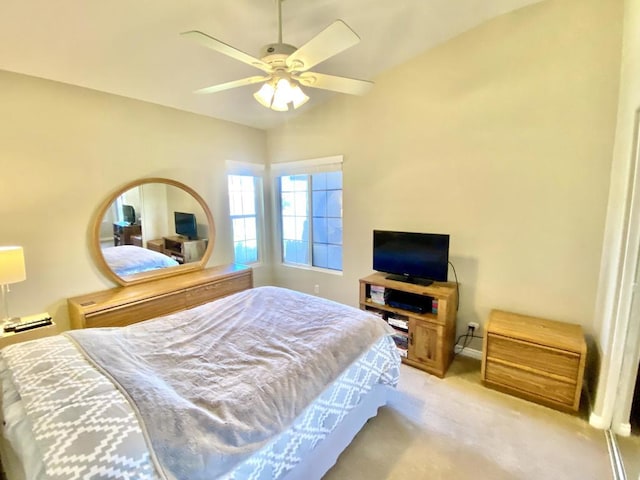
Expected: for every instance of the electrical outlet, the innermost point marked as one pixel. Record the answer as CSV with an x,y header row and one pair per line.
x,y
316,288
475,326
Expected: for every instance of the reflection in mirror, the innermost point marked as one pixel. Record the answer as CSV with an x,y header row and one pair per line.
x,y
150,227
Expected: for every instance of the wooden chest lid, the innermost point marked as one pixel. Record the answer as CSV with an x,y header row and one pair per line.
x,y
551,333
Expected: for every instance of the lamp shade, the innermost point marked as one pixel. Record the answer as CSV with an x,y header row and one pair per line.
x,y
265,95
12,268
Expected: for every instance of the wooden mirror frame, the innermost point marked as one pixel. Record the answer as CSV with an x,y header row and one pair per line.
x,y
96,250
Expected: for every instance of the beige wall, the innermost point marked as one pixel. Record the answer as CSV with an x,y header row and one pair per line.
x,y
63,149
502,138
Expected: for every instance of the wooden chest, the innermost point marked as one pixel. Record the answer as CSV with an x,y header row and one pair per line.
x,y
533,358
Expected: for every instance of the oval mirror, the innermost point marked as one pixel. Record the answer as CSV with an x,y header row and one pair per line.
x,y
152,228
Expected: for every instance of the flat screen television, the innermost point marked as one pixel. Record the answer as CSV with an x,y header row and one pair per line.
x,y
186,225
421,258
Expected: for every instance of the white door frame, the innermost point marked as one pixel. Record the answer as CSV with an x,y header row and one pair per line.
x,y
629,311
620,331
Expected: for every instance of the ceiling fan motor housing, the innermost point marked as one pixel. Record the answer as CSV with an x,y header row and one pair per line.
x,y
275,54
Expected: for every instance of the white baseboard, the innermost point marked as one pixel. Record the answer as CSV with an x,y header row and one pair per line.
x,y
622,429
597,421
468,352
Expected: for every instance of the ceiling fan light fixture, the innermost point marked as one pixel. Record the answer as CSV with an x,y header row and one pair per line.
x,y
279,97
298,97
282,96
264,96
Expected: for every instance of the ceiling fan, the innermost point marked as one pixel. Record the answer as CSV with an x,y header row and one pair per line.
x,y
287,67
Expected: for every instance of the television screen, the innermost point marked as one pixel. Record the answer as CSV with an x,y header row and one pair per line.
x,y
412,257
186,225
129,214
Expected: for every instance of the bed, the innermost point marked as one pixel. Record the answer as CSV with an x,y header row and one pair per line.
x,y
267,383
129,259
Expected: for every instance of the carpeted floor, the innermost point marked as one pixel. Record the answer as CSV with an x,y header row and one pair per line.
x,y
454,428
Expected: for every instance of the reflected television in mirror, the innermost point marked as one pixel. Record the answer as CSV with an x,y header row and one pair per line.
x,y
146,228
186,225
129,214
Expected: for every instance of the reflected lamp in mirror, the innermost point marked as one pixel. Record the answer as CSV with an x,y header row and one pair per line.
x,y
12,270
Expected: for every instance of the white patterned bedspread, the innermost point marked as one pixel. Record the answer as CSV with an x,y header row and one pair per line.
x,y
85,428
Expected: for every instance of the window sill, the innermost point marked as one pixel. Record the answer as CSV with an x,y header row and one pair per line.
x,y
313,269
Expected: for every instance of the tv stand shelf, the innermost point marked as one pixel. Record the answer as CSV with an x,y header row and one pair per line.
x,y
425,339
430,317
183,250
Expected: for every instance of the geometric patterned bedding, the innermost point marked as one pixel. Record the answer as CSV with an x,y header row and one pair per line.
x,y
86,429
379,365
83,426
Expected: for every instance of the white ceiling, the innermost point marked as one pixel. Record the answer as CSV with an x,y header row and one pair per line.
x,y
133,47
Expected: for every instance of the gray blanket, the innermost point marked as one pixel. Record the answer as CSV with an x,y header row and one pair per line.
x,y
213,384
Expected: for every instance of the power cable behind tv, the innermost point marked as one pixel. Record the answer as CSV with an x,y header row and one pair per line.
x,y
457,287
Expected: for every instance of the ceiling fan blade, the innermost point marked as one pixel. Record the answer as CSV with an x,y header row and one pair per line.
x,y
236,83
218,46
331,41
351,86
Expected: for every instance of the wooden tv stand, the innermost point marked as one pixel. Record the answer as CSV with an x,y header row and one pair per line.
x,y
425,339
183,250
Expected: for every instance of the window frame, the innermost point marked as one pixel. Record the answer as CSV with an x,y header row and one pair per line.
x,y
256,171
303,167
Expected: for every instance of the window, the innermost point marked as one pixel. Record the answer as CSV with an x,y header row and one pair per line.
x,y
311,213
244,193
